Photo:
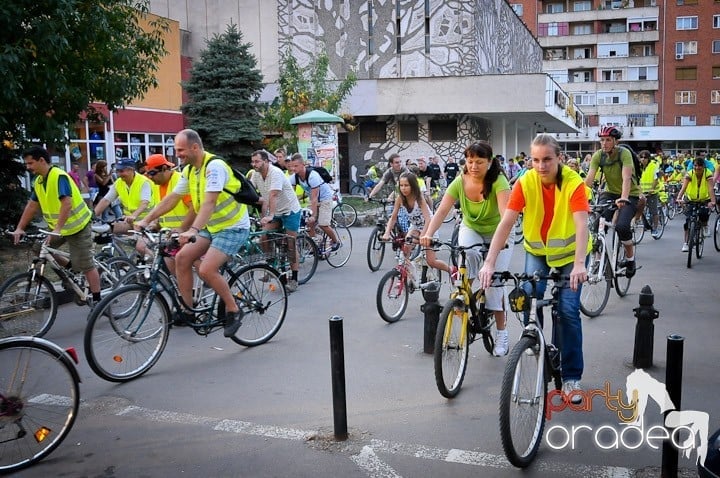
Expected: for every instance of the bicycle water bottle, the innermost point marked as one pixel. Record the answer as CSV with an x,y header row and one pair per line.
x,y
553,356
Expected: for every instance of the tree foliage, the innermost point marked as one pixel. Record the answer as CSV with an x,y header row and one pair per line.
x,y
303,90
224,87
58,56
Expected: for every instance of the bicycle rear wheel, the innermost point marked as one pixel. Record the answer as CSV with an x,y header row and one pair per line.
x,y
716,233
699,241
339,257
522,408
662,220
620,280
375,250
452,344
308,258
28,305
260,294
595,292
127,332
692,231
392,296
344,214
39,399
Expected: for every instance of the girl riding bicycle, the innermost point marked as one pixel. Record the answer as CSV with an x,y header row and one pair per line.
x,y
554,202
418,211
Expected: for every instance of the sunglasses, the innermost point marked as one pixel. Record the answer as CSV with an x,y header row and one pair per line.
x,y
153,172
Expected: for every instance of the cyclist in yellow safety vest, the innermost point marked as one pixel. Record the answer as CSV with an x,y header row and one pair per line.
x,y
64,210
134,191
220,227
650,186
698,187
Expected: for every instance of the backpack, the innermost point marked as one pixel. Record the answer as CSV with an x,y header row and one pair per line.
x,y
324,174
636,162
246,194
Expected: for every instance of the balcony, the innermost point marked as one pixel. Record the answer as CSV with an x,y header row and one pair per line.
x,y
599,15
649,36
593,63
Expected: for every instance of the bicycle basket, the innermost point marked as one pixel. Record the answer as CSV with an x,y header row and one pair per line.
x,y
519,300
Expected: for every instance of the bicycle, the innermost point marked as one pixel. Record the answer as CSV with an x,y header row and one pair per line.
x,y
335,256
39,399
607,262
376,246
531,364
397,284
645,224
716,233
128,330
673,207
344,214
695,231
29,300
362,187
463,320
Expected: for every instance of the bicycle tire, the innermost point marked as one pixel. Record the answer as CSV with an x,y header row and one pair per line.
x,y
522,414
621,281
638,231
112,272
691,242
699,241
308,258
27,306
665,217
661,224
452,346
344,214
431,279
453,244
716,234
341,256
375,250
392,296
518,229
671,209
127,332
43,388
595,293
358,190
261,295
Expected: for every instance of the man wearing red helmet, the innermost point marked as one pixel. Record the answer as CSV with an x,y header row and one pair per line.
x,y
616,164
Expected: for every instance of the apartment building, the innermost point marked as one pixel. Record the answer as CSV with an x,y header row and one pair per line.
x,y
650,67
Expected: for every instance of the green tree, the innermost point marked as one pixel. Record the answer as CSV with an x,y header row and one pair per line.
x,y
224,87
59,56
303,90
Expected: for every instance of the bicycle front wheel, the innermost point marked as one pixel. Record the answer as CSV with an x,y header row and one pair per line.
x,y
39,398
127,332
260,294
452,345
662,220
692,232
522,403
28,305
307,258
620,280
392,296
339,257
699,241
344,214
638,231
716,233
375,250
595,292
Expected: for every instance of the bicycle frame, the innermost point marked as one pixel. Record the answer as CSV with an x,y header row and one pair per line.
x,y
47,257
604,229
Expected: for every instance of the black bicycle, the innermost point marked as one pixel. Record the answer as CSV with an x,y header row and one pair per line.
x,y
695,230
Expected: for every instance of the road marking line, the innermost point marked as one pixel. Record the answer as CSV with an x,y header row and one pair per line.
x,y
368,461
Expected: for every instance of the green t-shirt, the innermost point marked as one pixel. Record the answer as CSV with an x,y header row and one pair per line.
x,y
484,216
612,170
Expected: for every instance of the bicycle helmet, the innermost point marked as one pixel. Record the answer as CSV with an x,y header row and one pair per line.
x,y
711,467
610,131
669,169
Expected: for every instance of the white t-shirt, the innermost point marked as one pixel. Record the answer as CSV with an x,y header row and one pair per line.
x,y
286,201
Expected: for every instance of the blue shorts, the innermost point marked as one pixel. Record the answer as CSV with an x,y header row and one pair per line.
x,y
290,222
227,241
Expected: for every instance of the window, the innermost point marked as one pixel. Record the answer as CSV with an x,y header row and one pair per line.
x,y
685,97
686,23
716,21
581,77
370,29
398,28
517,8
407,130
687,2
612,50
686,48
427,26
582,6
442,130
553,29
716,46
642,73
372,132
584,99
611,75
581,53
612,98
686,73
714,96
685,120
554,8
615,27
716,72
582,29
715,120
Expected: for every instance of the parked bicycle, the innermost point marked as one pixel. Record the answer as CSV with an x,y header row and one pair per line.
x,y
128,330
39,399
463,320
695,231
29,300
606,264
397,284
533,363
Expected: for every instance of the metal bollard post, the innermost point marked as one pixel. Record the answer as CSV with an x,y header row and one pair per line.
x,y
337,366
673,384
644,329
431,310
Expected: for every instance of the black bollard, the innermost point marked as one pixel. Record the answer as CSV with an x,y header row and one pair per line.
x,y
431,310
673,384
644,329
337,367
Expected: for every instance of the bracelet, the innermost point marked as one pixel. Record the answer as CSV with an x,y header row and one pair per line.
x,y
193,227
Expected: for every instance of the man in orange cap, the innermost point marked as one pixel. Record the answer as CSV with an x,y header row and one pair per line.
x,y
164,177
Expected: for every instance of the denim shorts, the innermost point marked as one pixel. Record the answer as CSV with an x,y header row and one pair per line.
x,y
290,221
228,240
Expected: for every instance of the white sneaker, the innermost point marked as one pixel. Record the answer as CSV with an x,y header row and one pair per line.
x,y
501,343
685,247
706,231
570,389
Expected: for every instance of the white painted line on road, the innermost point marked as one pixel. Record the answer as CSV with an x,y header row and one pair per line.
x,y
48,399
247,428
368,461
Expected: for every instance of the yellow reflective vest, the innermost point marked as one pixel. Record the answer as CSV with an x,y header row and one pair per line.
x,y
130,195
227,210
559,247
176,215
648,177
697,189
46,190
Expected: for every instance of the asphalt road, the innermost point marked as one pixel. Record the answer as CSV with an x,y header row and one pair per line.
x,y
211,407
